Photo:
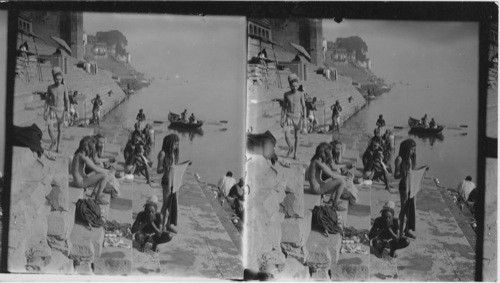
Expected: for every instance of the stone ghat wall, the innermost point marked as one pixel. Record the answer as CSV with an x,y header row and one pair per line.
x,y
38,235
264,217
29,106
272,239
260,104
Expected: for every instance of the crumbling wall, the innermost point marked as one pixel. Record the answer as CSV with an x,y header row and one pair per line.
x,y
38,234
263,227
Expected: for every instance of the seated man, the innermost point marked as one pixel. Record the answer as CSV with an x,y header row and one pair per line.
x,y
374,166
147,228
131,144
137,162
99,176
384,232
237,192
226,183
465,188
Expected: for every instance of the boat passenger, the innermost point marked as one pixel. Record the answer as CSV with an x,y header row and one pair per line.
x,y
424,122
432,124
334,185
192,119
184,115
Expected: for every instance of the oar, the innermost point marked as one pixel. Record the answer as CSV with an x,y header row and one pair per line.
x,y
207,122
216,121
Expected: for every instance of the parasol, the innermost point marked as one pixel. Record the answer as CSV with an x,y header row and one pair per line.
x,y
301,50
62,43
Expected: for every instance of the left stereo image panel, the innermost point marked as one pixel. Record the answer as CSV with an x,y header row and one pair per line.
x,y
126,127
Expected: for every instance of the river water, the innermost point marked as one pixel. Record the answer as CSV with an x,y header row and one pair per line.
x,y
451,156
434,66
213,151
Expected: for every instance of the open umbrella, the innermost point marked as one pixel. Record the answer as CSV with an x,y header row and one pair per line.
x,y
62,44
301,50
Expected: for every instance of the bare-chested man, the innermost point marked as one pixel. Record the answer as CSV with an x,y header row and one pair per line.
x,y
293,113
56,107
98,176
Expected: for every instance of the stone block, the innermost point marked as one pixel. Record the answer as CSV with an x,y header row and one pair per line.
x,y
295,231
64,246
83,268
16,261
60,223
294,271
86,244
59,264
349,272
320,275
299,253
112,266
37,263
319,259
323,251
58,198
272,262
21,157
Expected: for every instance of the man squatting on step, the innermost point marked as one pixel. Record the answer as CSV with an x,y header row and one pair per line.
x,y
147,227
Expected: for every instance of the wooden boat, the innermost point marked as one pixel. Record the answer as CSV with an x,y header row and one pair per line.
x,y
416,127
176,122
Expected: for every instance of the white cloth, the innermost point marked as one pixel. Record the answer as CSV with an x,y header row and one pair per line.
x,y
414,180
177,174
464,189
225,184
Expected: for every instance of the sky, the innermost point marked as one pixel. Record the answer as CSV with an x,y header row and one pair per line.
x,y
171,41
393,46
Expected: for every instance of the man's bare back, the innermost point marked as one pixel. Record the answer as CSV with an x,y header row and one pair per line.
x,y
78,168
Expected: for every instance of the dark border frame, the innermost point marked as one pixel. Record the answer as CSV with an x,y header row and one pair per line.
x,y
483,12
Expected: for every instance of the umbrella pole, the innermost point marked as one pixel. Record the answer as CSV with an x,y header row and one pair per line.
x,y
264,68
277,70
40,76
26,62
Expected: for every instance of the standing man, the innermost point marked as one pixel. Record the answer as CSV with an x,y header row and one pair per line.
x,y
293,113
56,107
336,109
